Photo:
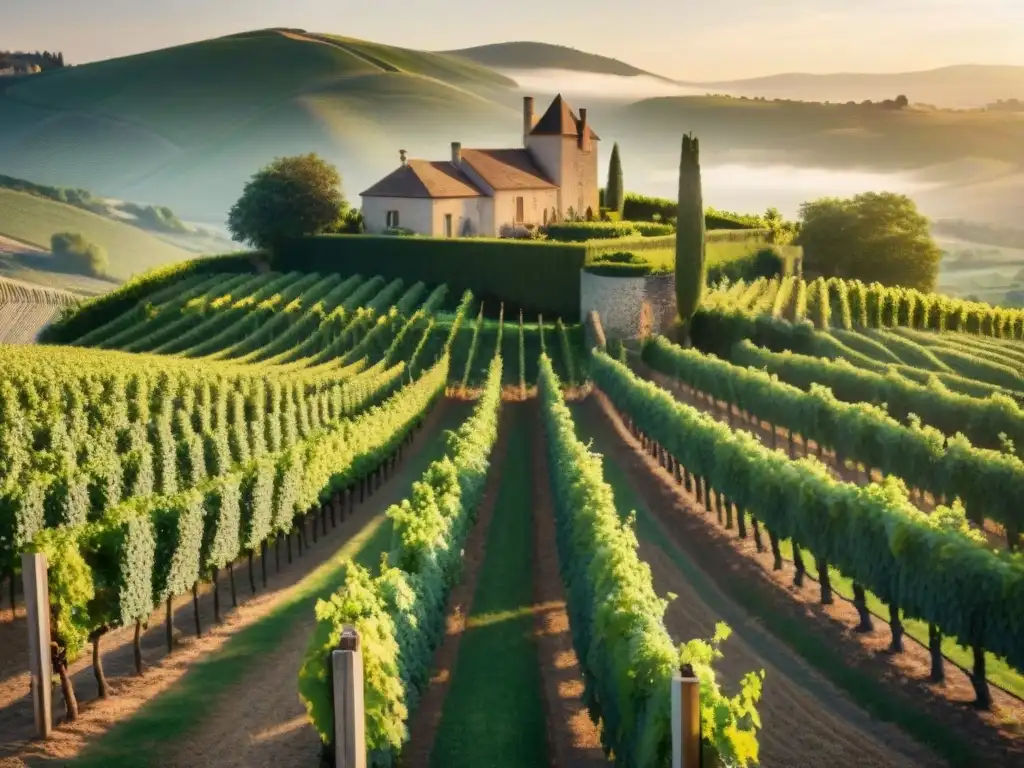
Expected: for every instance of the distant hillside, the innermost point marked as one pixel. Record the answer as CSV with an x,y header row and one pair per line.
x,y
821,135
530,55
188,125
956,86
32,219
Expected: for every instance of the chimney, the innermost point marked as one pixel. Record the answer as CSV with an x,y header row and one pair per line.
x,y
584,131
456,154
527,117
401,155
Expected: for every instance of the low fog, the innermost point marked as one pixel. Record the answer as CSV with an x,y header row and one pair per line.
x,y
589,85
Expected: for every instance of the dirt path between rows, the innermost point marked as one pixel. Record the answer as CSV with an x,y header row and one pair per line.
x,y
995,735
807,721
574,741
958,686
799,447
128,692
425,721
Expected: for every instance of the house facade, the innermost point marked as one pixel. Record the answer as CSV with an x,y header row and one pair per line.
x,y
482,192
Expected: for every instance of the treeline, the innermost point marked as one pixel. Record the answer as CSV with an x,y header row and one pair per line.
x,y
980,232
43,59
157,218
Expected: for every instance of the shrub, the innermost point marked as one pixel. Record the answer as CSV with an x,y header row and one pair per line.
x,y
654,228
581,231
763,262
539,277
73,252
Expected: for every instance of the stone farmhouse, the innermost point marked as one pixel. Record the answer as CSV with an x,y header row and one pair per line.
x,y
486,192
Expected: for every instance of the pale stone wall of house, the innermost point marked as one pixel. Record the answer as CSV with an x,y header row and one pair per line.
x,y
573,169
618,302
471,216
415,213
535,201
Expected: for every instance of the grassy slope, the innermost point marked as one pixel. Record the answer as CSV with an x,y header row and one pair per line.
x,y
33,219
531,55
187,125
494,714
173,714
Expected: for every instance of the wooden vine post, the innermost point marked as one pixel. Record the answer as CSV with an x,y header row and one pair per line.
x,y
37,606
686,740
349,712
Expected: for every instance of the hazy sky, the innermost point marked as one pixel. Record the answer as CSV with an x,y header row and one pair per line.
x,y
715,39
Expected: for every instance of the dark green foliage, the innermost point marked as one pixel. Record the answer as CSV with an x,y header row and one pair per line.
x,y
67,499
764,262
535,276
582,231
257,503
873,237
653,228
691,274
178,528
121,553
643,208
22,516
615,192
222,526
620,264
291,197
74,253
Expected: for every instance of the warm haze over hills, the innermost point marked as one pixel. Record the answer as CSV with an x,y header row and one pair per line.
x,y
185,126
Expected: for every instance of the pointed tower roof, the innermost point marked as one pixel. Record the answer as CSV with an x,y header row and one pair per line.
x,y
560,120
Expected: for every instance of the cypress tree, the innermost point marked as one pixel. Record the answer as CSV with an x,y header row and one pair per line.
x,y
615,193
690,259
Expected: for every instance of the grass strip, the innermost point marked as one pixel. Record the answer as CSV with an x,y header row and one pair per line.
x,y
493,714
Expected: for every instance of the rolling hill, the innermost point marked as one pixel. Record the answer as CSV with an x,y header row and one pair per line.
x,y
187,125
32,219
531,55
957,86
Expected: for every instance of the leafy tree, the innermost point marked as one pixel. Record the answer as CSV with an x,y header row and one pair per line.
x,y
291,197
615,194
873,237
690,255
73,252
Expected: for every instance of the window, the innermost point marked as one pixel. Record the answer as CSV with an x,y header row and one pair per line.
x,y
447,225
520,210
391,220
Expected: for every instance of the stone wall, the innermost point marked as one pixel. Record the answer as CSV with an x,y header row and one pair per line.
x,y
618,301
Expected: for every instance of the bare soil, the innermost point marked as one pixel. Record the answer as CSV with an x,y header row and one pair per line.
x,y
129,692
574,741
425,721
728,560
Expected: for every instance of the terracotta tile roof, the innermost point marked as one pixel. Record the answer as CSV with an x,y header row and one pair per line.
x,y
507,168
560,120
424,178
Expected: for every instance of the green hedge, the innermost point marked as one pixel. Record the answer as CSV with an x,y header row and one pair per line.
x,y
535,276
763,262
623,264
644,208
582,231
653,228
635,244
101,310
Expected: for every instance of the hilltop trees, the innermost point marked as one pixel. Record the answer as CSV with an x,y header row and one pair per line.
x,y
876,236
74,253
291,197
691,271
615,194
